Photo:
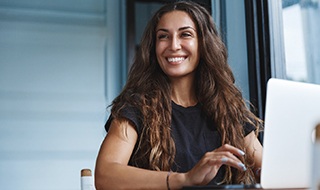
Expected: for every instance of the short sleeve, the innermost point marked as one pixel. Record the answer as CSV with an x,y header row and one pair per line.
x,y
248,128
130,113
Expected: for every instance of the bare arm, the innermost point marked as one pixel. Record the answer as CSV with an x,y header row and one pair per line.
x,y
254,147
112,170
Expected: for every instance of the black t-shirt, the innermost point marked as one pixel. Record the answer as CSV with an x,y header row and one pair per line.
x,y
193,132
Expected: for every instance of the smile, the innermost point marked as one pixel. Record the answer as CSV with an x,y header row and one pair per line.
x,y
176,59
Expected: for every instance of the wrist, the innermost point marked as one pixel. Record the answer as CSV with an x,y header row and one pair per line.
x,y
176,180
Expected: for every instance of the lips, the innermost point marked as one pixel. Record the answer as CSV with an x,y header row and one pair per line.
x,y
175,59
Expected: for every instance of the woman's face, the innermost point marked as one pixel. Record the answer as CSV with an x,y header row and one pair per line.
x,y
177,44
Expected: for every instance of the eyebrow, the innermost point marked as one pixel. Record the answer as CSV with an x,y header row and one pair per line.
x,y
182,28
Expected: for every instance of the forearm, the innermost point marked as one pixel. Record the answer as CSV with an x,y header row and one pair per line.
x,y
118,176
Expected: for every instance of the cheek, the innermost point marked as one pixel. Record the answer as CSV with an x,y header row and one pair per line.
x,y
159,55
194,46
159,48
194,50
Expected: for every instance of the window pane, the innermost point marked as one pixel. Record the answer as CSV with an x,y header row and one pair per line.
x,y
301,29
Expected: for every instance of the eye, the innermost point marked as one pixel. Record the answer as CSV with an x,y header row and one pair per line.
x,y
163,36
186,34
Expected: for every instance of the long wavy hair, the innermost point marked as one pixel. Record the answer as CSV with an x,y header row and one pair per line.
x,y
148,90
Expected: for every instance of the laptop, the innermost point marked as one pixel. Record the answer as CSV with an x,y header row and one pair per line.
x,y
292,112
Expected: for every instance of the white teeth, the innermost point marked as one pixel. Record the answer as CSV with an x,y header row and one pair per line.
x,y
176,59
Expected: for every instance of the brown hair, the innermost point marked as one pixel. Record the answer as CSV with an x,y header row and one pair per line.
x,y
148,89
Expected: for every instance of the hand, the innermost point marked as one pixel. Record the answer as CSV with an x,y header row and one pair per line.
x,y
207,168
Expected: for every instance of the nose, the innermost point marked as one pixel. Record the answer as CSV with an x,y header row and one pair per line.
x,y
175,44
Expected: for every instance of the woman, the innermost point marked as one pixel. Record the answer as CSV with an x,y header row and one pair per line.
x,y
180,120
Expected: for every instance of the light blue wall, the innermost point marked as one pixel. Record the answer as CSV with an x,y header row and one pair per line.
x,y
59,69
237,43
236,40
115,54
52,103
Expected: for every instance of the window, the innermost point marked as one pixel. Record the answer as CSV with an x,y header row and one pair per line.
x,y
297,24
302,39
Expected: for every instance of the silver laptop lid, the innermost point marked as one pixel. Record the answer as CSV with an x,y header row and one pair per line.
x,y
292,112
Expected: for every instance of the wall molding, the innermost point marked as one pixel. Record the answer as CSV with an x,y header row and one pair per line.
x,y
52,16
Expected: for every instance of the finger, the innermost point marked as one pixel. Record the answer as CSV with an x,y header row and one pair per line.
x,y
233,163
222,154
226,160
232,149
223,157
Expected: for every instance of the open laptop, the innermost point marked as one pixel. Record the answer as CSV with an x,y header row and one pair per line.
x,y
292,113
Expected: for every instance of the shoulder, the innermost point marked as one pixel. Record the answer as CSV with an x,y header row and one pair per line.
x,y
123,129
129,113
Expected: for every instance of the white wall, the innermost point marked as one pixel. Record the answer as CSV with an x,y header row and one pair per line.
x,y
52,103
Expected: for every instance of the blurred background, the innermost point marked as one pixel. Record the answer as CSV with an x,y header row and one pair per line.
x,y
62,62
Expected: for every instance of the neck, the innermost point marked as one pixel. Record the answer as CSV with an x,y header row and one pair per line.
x,y
183,92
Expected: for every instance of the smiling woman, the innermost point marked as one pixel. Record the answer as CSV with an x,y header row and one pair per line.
x,y
180,120
177,45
